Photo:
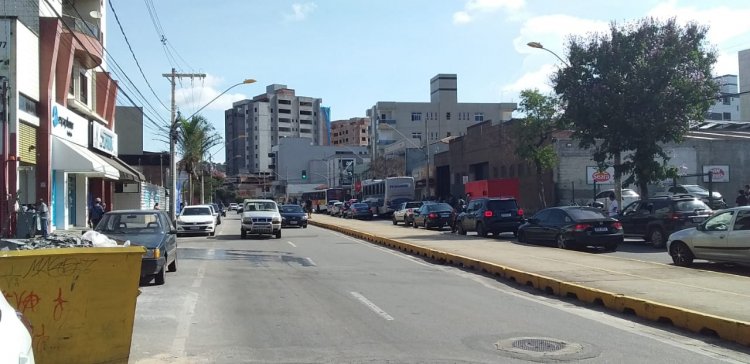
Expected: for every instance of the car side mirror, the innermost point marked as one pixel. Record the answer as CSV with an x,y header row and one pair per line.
x,y
173,231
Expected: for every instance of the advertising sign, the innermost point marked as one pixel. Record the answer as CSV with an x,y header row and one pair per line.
x,y
69,125
346,171
720,173
103,139
600,177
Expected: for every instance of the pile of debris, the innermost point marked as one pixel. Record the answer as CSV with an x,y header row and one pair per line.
x,y
91,239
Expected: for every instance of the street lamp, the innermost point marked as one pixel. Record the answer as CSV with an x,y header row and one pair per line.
x,y
540,46
172,154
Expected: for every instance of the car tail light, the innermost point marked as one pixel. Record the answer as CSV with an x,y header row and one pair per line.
x,y
617,225
581,227
520,212
488,213
675,216
432,215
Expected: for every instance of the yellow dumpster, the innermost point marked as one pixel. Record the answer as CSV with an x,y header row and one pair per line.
x,y
79,301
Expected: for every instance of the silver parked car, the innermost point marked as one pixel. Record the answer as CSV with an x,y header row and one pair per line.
x,y
723,237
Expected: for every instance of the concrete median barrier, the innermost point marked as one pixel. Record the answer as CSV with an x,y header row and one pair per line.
x,y
80,301
725,328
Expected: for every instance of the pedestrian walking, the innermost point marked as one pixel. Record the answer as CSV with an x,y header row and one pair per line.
x,y
741,199
43,217
308,208
96,212
614,208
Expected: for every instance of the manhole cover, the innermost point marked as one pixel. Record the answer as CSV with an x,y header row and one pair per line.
x,y
540,348
538,345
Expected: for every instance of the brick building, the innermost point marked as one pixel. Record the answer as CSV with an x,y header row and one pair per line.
x,y
350,132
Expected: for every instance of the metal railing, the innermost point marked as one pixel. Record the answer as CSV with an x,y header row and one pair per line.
x,y
82,26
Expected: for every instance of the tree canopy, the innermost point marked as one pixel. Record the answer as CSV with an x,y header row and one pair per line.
x,y
635,88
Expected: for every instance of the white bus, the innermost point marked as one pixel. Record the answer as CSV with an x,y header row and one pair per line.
x,y
385,195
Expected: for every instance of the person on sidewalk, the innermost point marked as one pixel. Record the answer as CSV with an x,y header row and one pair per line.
x,y
741,199
614,208
43,217
96,213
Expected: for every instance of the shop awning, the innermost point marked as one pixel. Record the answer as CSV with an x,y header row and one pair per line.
x,y
73,158
127,173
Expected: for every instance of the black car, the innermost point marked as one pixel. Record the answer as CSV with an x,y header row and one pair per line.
x,y
358,210
220,208
433,215
150,229
572,226
655,218
490,215
293,215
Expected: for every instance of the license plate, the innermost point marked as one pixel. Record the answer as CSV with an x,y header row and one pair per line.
x,y
292,223
504,215
190,228
445,215
601,229
697,219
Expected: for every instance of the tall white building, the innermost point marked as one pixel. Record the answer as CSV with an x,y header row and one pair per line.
x,y
744,63
728,106
404,125
254,126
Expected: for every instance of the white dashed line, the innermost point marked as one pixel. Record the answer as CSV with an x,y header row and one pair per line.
x,y
292,244
372,306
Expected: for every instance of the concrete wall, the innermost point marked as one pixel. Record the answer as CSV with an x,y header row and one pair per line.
x,y
744,74
297,154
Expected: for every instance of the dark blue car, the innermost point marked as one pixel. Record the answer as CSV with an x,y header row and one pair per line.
x,y
293,215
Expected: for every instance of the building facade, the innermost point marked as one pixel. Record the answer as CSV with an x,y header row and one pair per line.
x,y
254,126
727,107
62,146
743,58
354,131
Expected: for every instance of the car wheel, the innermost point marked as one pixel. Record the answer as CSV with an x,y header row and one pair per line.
x,y
159,277
521,236
172,266
481,231
610,247
213,233
278,234
681,254
243,234
656,236
461,230
561,242
394,221
304,226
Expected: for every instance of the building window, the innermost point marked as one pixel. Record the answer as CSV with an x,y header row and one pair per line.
x,y
285,111
727,100
305,112
27,105
416,135
84,87
448,134
447,116
382,117
364,139
285,102
416,116
727,116
479,117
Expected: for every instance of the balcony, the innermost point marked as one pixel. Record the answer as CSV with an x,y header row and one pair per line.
x,y
387,121
89,50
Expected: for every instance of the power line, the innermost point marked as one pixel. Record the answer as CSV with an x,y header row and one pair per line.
x,y
127,41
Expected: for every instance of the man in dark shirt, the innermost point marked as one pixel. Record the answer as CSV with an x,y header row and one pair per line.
x,y
96,213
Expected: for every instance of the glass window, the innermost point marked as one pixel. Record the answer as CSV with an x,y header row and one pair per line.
x,y
501,205
586,214
719,222
195,211
416,116
556,217
479,116
447,116
542,215
690,205
743,220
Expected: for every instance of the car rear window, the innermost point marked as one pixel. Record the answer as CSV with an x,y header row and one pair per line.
x,y
361,205
690,205
439,207
411,205
293,208
501,205
586,214
191,211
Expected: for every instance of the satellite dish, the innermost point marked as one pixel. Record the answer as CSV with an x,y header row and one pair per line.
x,y
96,14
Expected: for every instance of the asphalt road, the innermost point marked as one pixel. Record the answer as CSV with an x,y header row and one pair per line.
x,y
316,296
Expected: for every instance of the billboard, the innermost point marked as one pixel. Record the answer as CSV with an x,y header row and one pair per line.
x,y
719,173
600,177
346,171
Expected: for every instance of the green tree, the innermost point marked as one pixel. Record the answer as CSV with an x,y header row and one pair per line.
x,y
635,88
534,133
194,138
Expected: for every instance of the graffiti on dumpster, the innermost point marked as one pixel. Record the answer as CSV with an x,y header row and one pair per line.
x,y
39,338
23,301
59,301
59,266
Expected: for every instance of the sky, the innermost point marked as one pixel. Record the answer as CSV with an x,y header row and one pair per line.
x,y
354,53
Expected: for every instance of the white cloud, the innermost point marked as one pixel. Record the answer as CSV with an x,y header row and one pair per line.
x,y
546,30
300,11
474,7
537,79
728,28
192,95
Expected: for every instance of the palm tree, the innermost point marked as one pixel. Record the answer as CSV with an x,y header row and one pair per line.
x,y
194,138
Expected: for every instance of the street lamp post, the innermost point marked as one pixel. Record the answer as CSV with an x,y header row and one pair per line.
x,y
172,154
540,46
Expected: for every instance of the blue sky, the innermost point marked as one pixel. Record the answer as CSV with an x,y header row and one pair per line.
x,y
355,53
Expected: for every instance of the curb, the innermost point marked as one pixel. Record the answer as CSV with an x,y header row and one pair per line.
x,y
698,322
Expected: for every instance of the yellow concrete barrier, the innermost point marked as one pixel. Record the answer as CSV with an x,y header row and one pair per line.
x,y
80,301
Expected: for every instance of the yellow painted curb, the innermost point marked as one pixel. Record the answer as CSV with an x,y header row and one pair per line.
x,y
725,328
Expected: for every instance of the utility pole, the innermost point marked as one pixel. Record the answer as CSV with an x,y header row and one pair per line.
x,y
173,139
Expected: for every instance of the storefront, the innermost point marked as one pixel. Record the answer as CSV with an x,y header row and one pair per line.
x,y
73,164
104,144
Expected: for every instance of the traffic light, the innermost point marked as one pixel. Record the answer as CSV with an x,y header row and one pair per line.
x,y
304,174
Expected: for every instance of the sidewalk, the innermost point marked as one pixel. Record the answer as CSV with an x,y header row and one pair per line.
x,y
690,298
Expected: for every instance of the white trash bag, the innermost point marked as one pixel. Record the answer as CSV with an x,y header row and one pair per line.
x,y
99,240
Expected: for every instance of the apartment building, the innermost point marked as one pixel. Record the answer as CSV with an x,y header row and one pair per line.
x,y
727,108
354,131
254,126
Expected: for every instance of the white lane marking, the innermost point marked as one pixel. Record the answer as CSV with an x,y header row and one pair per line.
x,y
310,261
201,273
183,327
372,306
387,250
292,244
